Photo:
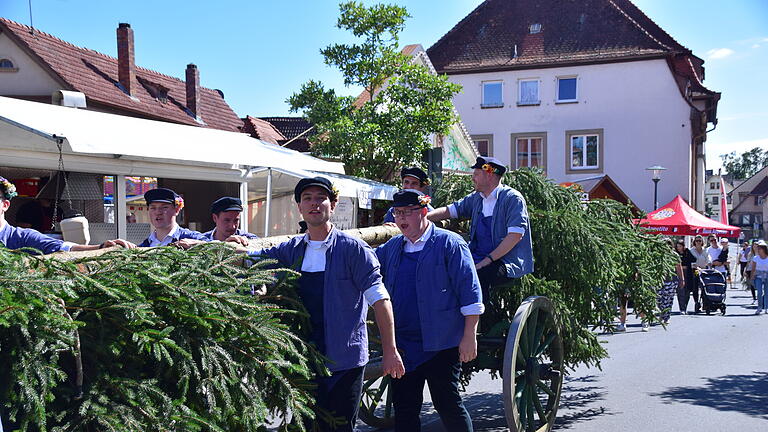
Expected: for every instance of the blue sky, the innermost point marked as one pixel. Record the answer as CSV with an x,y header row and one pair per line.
x,y
258,52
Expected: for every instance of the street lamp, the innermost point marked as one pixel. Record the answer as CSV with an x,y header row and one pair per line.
x,y
656,176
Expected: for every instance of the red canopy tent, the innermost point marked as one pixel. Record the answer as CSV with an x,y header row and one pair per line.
x,y
678,218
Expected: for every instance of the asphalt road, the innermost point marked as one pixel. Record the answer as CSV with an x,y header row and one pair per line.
x,y
703,373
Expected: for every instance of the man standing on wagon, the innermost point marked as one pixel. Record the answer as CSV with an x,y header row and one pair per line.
x,y
340,277
430,274
500,235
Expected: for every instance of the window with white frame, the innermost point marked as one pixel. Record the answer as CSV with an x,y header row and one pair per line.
x,y
484,144
712,185
566,89
528,92
529,151
584,150
492,94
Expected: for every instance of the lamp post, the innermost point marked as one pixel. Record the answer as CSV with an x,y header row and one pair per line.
x,y
656,176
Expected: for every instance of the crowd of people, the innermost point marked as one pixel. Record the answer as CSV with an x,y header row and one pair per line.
x,y
427,329
751,267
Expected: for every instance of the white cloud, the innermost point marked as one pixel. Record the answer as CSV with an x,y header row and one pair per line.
x,y
719,53
756,46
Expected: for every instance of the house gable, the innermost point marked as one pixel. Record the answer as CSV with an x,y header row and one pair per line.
x,y
96,75
29,78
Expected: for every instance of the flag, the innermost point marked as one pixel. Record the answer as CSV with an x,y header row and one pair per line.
x,y
723,203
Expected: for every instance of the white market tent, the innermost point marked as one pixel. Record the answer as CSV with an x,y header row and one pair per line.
x,y
31,134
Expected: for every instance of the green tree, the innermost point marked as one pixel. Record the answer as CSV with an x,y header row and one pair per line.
x,y
403,105
745,165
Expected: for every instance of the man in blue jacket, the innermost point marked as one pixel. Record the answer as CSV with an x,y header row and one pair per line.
x,y
339,278
500,233
226,212
164,205
412,178
437,301
12,237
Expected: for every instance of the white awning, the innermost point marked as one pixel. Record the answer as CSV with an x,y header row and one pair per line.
x,y
284,180
28,126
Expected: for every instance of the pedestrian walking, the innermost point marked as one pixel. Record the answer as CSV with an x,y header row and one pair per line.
x,y
743,260
760,276
702,261
683,288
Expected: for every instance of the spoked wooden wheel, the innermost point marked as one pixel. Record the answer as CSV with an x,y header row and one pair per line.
x,y
376,408
533,367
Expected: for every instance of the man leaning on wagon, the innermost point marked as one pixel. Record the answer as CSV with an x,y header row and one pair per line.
x,y
500,236
412,178
13,237
164,205
340,277
436,297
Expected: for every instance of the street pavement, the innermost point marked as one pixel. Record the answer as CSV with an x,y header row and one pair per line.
x,y
703,373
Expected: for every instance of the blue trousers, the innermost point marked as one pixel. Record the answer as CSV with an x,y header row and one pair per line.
x,y
441,374
339,395
762,293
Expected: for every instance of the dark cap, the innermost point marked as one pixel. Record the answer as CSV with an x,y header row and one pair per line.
x,y
226,204
498,167
160,195
416,173
320,182
410,197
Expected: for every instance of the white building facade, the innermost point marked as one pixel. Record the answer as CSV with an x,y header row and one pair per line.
x,y
582,89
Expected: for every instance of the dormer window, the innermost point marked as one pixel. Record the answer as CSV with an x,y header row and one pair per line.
x,y
6,65
534,28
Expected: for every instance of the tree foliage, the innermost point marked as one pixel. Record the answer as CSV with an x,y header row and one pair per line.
x,y
403,105
147,339
745,165
586,257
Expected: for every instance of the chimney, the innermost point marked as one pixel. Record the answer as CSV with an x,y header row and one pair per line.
x,y
193,90
126,65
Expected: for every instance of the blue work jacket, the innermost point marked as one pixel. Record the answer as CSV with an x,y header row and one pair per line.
x,y
181,233
510,211
209,235
16,238
351,268
446,280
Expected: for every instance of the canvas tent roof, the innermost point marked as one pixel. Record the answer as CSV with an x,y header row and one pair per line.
x,y
678,218
26,126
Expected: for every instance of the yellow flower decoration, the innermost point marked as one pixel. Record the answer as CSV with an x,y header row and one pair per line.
x,y
424,200
179,202
489,169
8,188
334,191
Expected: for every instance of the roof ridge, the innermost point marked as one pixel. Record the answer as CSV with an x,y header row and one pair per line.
x,y
643,29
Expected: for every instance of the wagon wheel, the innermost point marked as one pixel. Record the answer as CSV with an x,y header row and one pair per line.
x,y
377,394
533,367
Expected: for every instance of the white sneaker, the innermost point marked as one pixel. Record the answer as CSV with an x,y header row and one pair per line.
x,y
758,312
646,327
621,328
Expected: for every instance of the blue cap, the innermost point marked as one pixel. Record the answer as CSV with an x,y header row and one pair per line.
x,y
320,182
499,167
160,195
226,204
408,197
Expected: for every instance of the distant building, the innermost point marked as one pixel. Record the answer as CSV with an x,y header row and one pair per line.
x,y
582,88
750,205
295,131
712,195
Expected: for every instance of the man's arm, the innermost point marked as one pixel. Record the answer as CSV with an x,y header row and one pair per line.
x,y
506,245
439,214
392,364
468,344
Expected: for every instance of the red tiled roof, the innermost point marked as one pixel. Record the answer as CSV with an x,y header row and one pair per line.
x,y
95,75
497,36
291,128
262,129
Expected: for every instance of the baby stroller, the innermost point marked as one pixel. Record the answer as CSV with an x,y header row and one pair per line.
x,y
713,290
